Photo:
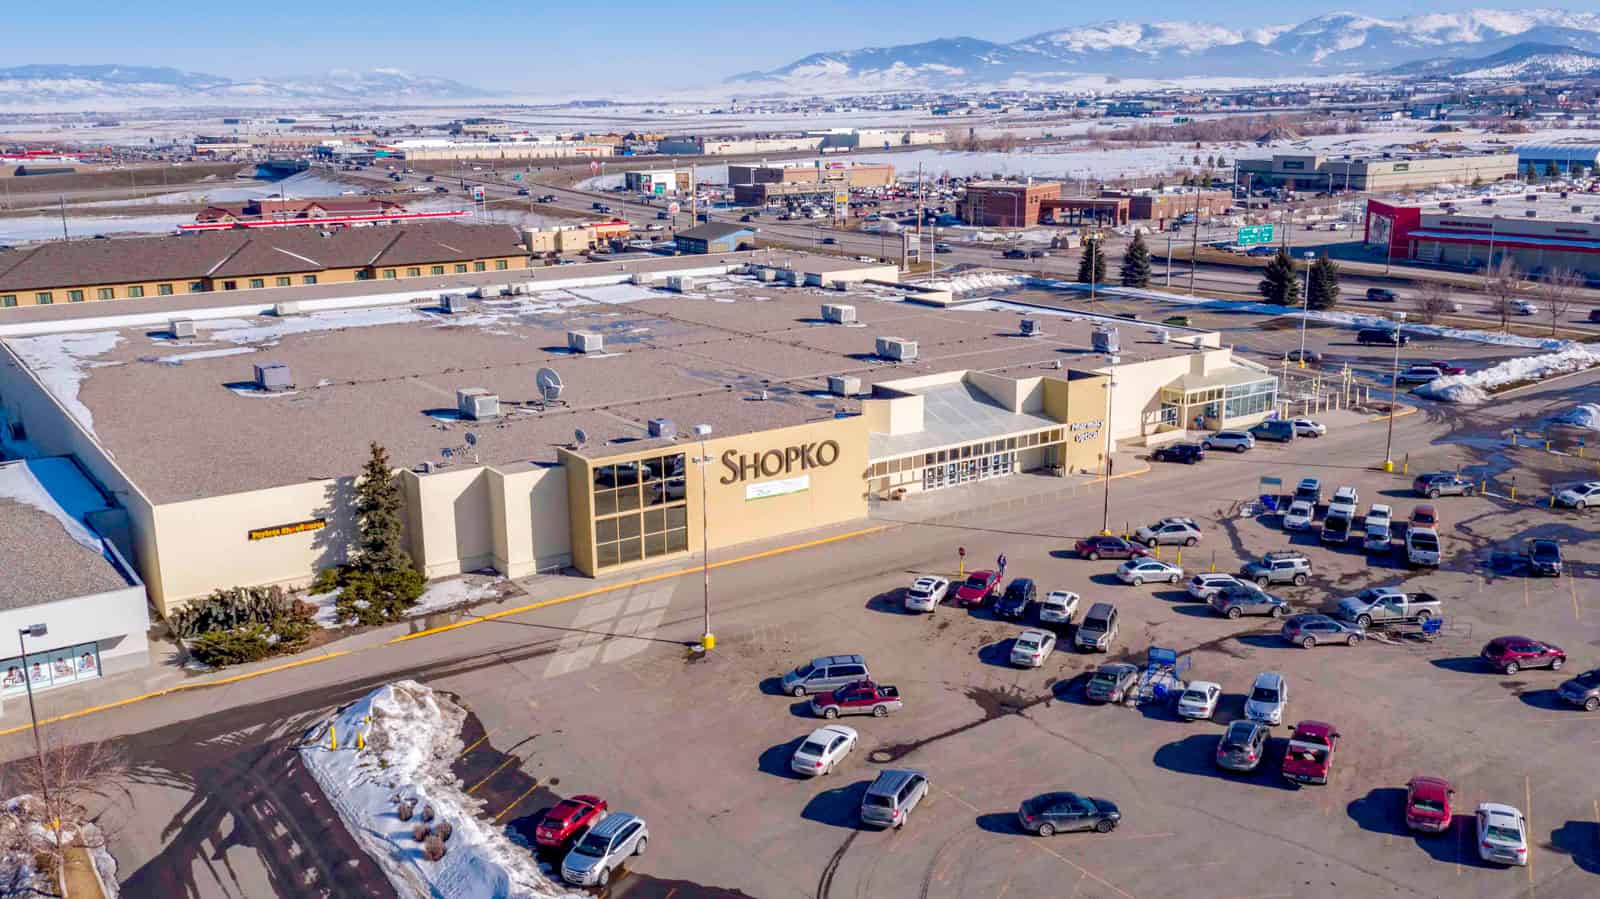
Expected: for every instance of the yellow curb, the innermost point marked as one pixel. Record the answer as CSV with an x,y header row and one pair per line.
x,y
1127,474
1409,410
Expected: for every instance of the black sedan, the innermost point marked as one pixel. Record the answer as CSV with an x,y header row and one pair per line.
x,y
1544,557
1187,453
1051,813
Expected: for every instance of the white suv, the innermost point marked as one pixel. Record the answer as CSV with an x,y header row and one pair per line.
x,y
926,593
1058,607
1238,441
1344,502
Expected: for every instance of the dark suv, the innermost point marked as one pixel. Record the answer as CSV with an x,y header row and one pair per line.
x,y
1544,558
1019,595
1187,453
1382,337
1381,295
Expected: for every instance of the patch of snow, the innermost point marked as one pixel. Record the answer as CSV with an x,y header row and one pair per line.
x,y
614,293
57,488
450,593
277,328
180,358
327,614
252,393
58,360
412,736
1475,387
971,282
1585,416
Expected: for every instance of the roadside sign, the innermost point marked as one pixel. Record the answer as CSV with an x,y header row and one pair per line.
x,y
594,166
517,177
1252,235
673,208
1274,482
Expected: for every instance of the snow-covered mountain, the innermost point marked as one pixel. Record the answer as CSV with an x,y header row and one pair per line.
x,y
1333,44
113,85
1523,61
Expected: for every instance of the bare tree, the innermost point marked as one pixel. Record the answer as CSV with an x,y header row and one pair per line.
x,y
1433,301
53,805
1503,286
1556,290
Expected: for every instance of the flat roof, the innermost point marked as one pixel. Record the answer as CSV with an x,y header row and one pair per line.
x,y
46,551
957,413
1512,207
183,421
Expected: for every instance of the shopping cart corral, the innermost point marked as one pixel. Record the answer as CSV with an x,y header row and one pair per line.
x,y
1162,677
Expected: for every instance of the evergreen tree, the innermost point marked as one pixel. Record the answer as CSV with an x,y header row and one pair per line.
x,y
1279,283
1324,284
1221,162
378,502
1532,173
1136,263
1551,170
1092,267
1211,161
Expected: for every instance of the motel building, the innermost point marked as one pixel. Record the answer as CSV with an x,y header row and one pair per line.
x,y
762,395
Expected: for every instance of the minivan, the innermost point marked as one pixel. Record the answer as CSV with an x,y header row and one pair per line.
x,y
1280,430
890,799
1098,628
820,675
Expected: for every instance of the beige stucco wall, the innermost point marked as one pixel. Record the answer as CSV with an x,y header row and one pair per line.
x,y
532,529
454,512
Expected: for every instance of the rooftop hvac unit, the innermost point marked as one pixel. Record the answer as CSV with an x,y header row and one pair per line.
x,y
766,274
789,276
477,404
813,279
1105,340
838,313
663,428
1531,198
453,303
282,309
844,385
1577,207
585,342
181,327
1162,336
273,376
1563,195
680,283
644,278
1531,213
839,285
1030,327
897,348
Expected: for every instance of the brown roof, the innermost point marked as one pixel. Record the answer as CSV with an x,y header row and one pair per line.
x,y
238,254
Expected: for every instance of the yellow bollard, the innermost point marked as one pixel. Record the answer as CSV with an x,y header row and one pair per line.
x,y
1156,552
709,642
1179,561
1513,491
1513,438
1547,446
1388,465
361,739
333,737
1483,486
1405,467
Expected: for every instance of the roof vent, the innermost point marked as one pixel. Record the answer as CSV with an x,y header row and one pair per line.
x,y
1577,207
477,404
897,348
844,385
1106,340
273,376
585,342
643,278
663,428
1488,201
283,309
838,313
1531,198
454,303
181,327
1030,327
1531,213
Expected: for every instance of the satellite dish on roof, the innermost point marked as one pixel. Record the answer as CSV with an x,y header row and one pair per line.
x,y
550,385
580,436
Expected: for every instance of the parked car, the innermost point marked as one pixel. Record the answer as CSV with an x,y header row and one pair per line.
x,y
890,798
825,673
1309,490
1523,307
1138,571
1382,337
860,698
1187,453
1093,548
1282,566
943,248
1309,756
1449,368
1247,599
1169,532
1268,698
1582,691
569,819
604,848
1015,254
1428,804
1098,629
1052,813
1300,516
1376,537
1111,682
822,751
1512,654
1381,295
1420,373
1443,483
1058,607
1242,745
1423,518
1579,496
1014,602
1544,557
1237,441
1032,647
1335,528
1389,605
1380,515
1312,629
1306,427
1310,357
1177,321
926,593
1198,701
1276,430
1502,834
1344,502
977,588
1207,583
1422,548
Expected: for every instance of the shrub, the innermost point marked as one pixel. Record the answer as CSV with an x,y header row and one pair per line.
x,y
231,608
427,813
443,830
433,848
246,625
419,831
405,809
374,598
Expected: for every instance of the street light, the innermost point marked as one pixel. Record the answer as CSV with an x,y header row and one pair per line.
x,y
1394,396
37,630
1111,383
708,641
1305,308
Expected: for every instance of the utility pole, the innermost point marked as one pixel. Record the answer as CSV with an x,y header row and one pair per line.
x,y
1305,309
61,202
1194,247
920,198
1169,257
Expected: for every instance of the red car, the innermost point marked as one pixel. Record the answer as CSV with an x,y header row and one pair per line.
x,y
1109,548
1448,368
1309,758
570,818
1428,804
1512,654
977,588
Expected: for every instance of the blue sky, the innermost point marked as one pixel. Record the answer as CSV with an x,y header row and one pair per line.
x,y
576,48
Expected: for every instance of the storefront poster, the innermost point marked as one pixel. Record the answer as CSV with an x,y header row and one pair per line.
x,y
50,669
784,487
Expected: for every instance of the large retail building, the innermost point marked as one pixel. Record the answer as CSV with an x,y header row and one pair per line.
x,y
230,454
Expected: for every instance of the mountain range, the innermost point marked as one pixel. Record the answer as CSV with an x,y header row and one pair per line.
x,y
78,85
1340,43
1523,61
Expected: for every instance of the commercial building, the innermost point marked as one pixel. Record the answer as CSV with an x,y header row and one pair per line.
x,y
574,238
1538,230
657,182
1567,158
849,174
424,151
787,192
1162,207
290,210
715,237
878,139
811,415
1005,204
1105,211
732,146
1374,173
93,270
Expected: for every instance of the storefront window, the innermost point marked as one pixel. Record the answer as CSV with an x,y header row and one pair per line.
x,y
1254,398
50,669
640,509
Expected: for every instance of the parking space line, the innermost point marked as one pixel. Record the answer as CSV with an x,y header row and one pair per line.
x,y
497,769
1526,601
475,744
514,802
1527,815
1572,582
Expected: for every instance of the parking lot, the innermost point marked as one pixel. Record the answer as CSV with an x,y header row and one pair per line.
x,y
701,748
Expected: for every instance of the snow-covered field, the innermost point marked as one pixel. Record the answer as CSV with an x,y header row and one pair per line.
x,y
1585,416
412,735
1476,387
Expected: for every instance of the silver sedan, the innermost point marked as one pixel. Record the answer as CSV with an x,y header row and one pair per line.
x,y
823,750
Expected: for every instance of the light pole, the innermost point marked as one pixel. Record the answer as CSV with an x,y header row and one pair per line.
x,y
1394,397
708,641
37,630
1169,257
1305,308
1105,514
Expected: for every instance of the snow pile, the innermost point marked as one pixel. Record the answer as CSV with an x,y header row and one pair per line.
x,y
412,736
1585,417
25,837
972,282
1476,387
56,360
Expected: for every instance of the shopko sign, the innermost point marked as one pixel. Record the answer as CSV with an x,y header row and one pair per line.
x,y
772,463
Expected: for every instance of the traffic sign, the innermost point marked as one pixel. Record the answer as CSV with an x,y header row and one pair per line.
x,y
594,166
1251,235
674,208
